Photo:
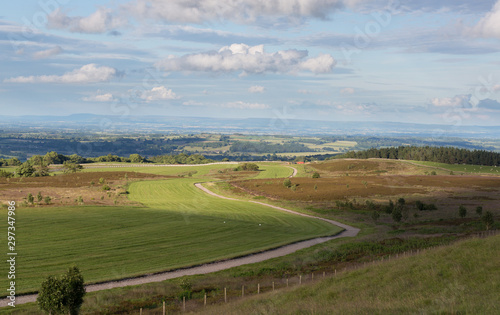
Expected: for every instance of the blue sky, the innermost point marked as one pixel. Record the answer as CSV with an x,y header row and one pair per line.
x,y
338,60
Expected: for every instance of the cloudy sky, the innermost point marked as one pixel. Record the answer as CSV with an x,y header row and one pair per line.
x,y
341,60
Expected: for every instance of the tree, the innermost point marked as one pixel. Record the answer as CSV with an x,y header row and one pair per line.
x,y
50,297
479,210
70,167
462,211
487,219
31,199
63,295
136,158
48,199
397,215
74,290
39,197
25,170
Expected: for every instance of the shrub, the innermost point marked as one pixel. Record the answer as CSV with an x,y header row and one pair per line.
x,y
397,215
315,175
287,183
462,211
488,220
48,199
247,167
6,174
420,205
375,216
31,199
479,210
39,196
101,180
106,187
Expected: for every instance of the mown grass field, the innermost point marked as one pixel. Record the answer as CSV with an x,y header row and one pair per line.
x,y
179,226
458,279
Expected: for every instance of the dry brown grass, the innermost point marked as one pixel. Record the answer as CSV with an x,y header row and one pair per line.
x,y
65,189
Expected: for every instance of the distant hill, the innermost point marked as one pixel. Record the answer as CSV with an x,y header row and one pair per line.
x,y
273,125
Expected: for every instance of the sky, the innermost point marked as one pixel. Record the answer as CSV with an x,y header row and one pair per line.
x,y
431,62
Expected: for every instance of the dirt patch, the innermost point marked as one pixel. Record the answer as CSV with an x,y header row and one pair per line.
x,y
99,188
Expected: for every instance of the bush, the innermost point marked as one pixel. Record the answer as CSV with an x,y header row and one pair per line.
x,y
315,175
247,167
287,183
106,187
6,174
48,199
488,220
375,216
479,210
30,198
462,211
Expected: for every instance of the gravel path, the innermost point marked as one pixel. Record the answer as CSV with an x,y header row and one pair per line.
x,y
215,266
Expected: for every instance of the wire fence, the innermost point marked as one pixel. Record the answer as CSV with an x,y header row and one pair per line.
x,y
233,292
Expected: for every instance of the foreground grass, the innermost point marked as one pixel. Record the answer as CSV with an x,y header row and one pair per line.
x,y
180,226
458,279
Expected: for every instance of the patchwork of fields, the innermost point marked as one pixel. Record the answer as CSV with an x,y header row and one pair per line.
x,y
176,226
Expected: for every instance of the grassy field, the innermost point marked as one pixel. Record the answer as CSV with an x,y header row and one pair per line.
x,y
179,226
459,168
458,279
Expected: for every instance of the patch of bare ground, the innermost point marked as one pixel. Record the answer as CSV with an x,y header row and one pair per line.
x,y
355,167
100,188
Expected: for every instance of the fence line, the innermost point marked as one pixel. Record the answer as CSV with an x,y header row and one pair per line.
x,y
233,293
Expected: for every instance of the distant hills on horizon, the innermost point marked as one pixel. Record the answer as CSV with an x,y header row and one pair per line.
x,y
158,124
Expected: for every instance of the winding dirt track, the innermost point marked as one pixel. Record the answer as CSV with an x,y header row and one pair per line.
x,y
214,266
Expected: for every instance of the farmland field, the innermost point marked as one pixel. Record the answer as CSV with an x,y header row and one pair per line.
x,y
178,226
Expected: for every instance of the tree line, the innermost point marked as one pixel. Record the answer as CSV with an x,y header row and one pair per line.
x,y
37,165
448,155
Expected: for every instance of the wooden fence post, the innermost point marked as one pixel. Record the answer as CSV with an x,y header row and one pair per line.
x,y
205,300
300,279
225,295
163,307
184,303
273,285
140,312
258,288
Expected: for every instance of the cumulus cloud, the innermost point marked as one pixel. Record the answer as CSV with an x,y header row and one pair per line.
x,y
100,21
90,73
256,89
489,25
99,97
347,91
47,53
159,93
456,101
241,57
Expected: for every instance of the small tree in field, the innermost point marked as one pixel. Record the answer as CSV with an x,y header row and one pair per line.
x,y
479,211
488,220
287,183
31,199
64,295
462,211
39,197
315,175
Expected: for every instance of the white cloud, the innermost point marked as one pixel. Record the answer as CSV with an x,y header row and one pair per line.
x,y
347,91
304,91
159,93
90,73
245,105
489,25
457,101
100,21
239,11
47,53
256,89
99,97
241,57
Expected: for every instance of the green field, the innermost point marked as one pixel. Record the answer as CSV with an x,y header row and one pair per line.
x,y
179,226
459,168
457,279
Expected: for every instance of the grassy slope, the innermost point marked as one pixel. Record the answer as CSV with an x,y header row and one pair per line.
x,y
180,226
459,168
459,279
